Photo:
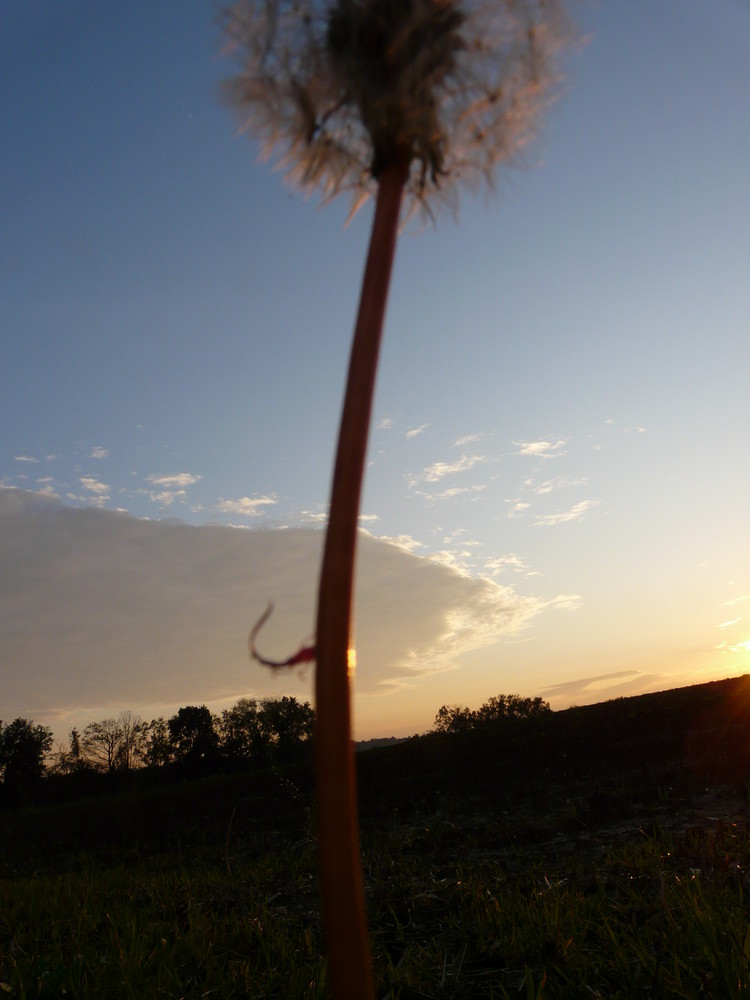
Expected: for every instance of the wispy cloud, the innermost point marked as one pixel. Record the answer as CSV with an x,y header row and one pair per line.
x,y
25,458
405,542
468,439
317,516
517,507
439,470
552,485
97,493
541,449
245,506
385,424
177,480
737,600
501,564
607,686
416,431
575,513
173,487
166,498
457,491
94,486
47,488
99,452
486,613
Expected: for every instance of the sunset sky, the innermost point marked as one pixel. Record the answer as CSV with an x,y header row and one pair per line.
x,y
557,500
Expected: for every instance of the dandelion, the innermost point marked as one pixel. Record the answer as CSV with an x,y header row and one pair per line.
x,y
443,89
406,101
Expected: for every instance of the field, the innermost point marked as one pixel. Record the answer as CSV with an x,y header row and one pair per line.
x,y
598,852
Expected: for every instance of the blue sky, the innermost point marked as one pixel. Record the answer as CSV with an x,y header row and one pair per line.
x,y
559,450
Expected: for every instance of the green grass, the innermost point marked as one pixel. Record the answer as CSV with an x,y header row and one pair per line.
x,y
144,932
582,857
457,908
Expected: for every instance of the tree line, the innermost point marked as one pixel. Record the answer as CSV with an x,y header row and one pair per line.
x,y
193,740
502,708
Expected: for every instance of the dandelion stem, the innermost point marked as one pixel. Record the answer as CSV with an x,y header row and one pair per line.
x,y
341,883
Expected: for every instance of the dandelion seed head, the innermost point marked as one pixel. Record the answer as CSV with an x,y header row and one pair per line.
x,y
335,92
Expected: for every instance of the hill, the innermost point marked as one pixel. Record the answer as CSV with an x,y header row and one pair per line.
x,y
689,736
646,757
600,851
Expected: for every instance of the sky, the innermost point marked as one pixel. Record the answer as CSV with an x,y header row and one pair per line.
x,y
556,497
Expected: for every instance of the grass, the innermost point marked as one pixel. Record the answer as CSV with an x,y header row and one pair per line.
x,y
457,909
603,878
142,932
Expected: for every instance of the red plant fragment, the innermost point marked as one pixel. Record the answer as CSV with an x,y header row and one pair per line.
x,y
305,654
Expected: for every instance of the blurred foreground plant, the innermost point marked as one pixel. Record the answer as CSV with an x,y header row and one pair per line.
x,y
404,100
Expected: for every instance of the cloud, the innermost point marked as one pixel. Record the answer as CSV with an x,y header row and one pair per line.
x,y
385,424
100,611
502,563
519,506
434,473
457,491
415,431
172,487
550,485
167,497
49,490
179,479
94,486
405,542
99,452
456,614
541,449
468,439
575,513
25,458
737,600
245,506
602,687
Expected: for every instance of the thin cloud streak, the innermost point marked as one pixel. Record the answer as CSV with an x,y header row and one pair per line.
x,y
439,470
180,479
604,687
416,431
245,506
541,449
575,513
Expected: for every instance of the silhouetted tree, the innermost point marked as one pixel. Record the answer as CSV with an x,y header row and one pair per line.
x,y
499,708
115,744
511,706
241,730
286,723
271,727
23,748
158,747
192,736
453,719
70,759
